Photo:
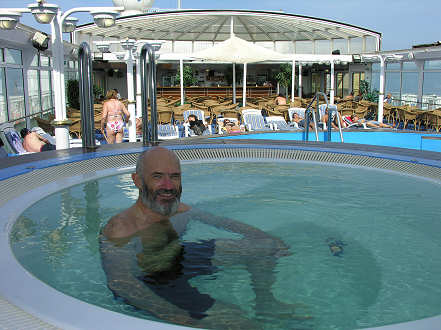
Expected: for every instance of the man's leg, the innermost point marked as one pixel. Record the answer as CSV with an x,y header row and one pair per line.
x,y
260,259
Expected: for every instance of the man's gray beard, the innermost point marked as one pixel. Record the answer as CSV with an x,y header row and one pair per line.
x,y
149,200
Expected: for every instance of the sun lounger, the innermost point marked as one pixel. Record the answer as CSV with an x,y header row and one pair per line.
x,y
279,123
254,121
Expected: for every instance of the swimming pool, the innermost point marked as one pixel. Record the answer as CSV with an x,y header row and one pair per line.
x,y
407,139
94,167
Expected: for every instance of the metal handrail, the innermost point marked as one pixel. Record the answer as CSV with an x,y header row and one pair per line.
x,y
86,96
316,113
148,92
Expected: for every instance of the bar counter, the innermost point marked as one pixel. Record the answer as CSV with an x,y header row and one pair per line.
x,y
225,91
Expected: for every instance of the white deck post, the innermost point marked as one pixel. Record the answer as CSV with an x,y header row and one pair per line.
x,y
331,91
128,46
300,81
381,94
181,76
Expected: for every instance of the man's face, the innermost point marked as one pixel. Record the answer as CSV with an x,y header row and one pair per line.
x,y
161,188
162,201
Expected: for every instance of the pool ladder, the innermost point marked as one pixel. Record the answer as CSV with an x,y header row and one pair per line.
x,y
310,110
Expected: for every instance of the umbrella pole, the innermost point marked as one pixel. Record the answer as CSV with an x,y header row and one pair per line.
x,y
244,101
234,83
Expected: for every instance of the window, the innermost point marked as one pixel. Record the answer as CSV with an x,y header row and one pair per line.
x,y
342,84
14,85
304,47
356,45
3,104
393,66
356,78
46,91
13,56
35,60
393,84
432,65
322,47
285,47
371,44
315,82
341,45
45,60
34,91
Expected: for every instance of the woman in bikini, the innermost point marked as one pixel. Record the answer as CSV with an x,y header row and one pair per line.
x,y
114,115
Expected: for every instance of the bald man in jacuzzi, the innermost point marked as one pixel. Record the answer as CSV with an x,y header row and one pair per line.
x,y
148,266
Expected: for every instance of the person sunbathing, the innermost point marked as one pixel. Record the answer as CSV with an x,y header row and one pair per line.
x,y
300,121
354,119
34,142
334,120
231,127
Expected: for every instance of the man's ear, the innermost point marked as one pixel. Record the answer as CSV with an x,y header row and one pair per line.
x,y
137,180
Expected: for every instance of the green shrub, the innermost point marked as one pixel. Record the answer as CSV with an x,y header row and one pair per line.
x,y
284,76
189,79
73,93
367,93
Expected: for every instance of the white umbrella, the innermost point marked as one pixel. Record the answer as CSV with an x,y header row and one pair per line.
x,y
237,50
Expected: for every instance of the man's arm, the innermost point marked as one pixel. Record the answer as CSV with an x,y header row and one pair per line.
x,y
119,263
42,139
251,235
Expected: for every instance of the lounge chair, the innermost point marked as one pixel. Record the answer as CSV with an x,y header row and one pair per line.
x,y
254,121
200,116
168,132
279,123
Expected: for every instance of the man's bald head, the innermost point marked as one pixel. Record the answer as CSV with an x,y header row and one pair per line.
x,y
156,154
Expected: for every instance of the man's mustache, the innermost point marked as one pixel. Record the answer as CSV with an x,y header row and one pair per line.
x,y
173,192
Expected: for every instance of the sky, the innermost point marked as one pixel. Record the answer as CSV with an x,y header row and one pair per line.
x,y
403,23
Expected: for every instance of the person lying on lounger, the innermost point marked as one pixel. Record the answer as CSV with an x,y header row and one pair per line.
x,y
148,265
334,120
231,127
34,142
300,121
353,119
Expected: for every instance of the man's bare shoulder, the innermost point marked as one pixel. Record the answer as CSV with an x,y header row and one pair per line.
x,y
120,225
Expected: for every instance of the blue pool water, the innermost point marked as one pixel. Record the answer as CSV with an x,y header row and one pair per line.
x,y
388,272
389,139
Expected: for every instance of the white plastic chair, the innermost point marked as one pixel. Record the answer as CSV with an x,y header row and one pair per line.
x,y
254,121
168,132
279,123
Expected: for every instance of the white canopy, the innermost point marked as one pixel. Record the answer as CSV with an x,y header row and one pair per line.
x,y
237,50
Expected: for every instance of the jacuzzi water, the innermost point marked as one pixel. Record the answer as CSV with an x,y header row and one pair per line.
x,y
388,272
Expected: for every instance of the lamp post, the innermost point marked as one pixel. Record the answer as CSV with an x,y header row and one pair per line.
x,y
45,13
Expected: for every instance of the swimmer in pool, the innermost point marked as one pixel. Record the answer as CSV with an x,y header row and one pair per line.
x,y
149,267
